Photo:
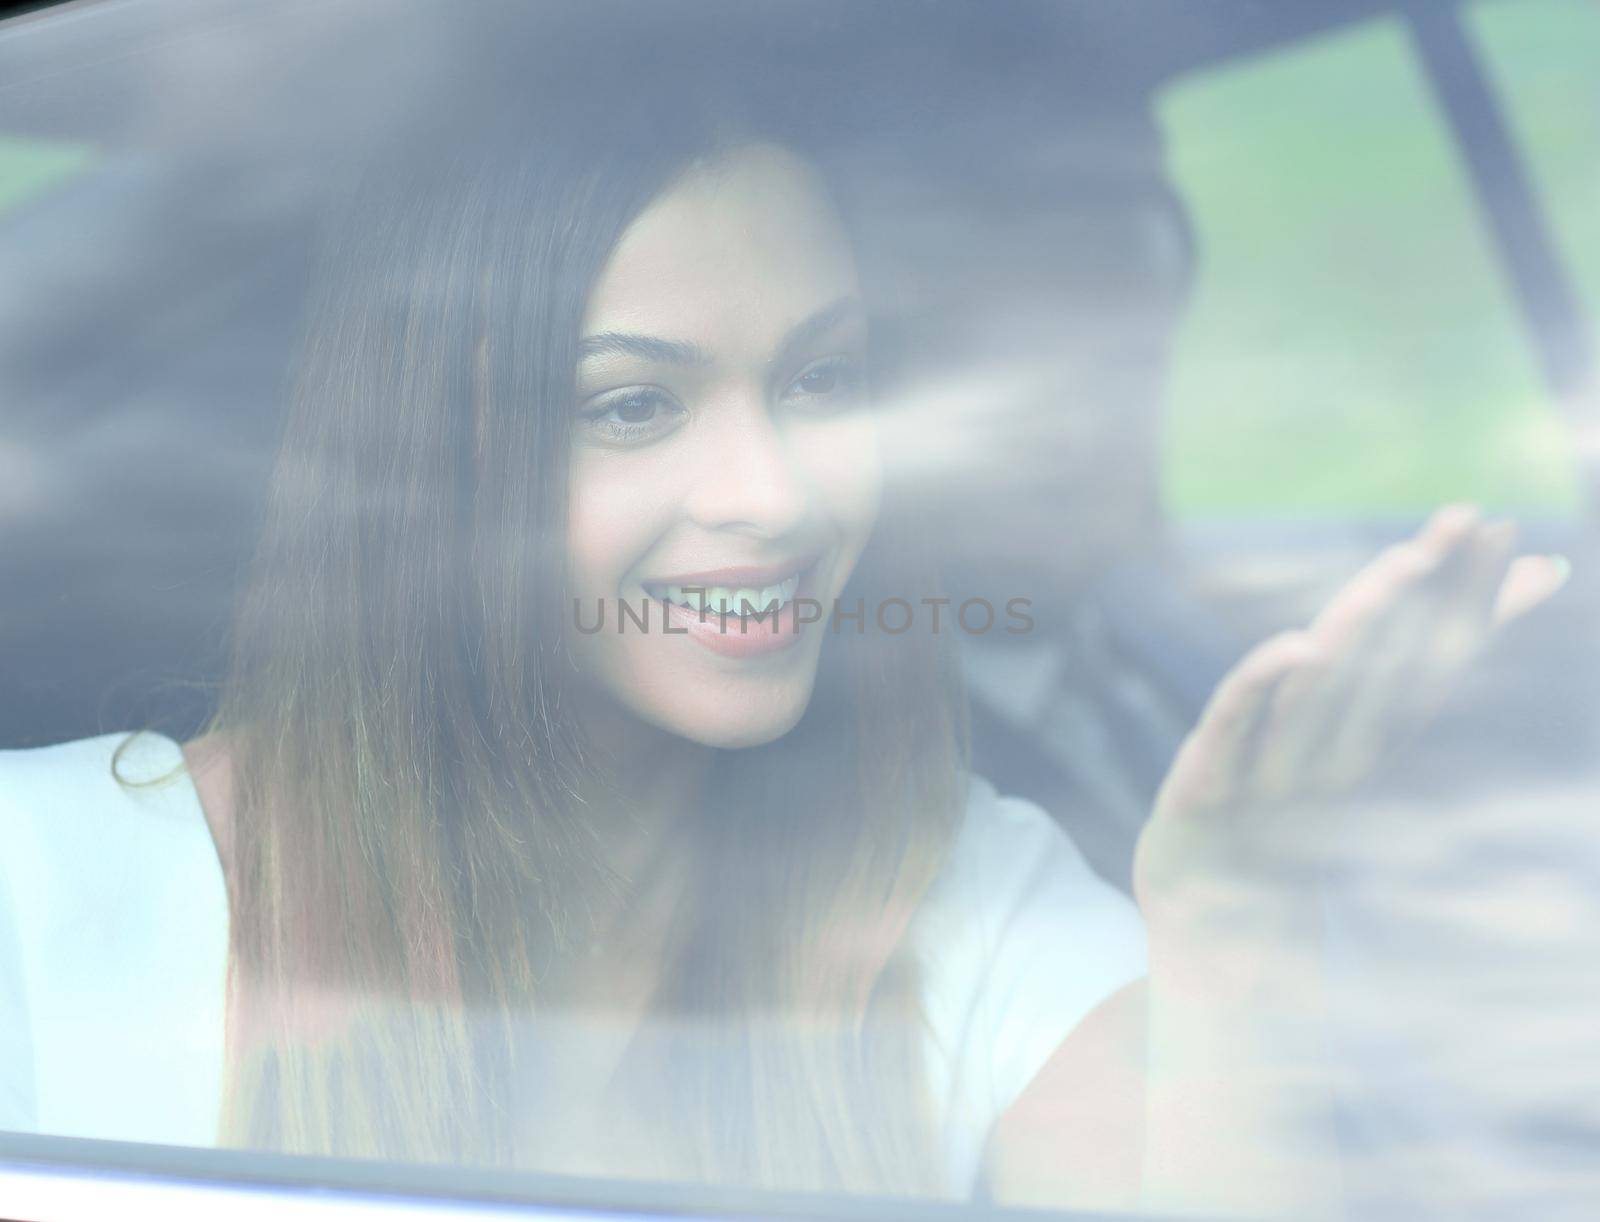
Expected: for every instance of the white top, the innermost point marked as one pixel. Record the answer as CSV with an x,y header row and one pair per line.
x,y
114,946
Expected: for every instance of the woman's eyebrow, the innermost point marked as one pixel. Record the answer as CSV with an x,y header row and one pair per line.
x,y
682,352
648,347
813,328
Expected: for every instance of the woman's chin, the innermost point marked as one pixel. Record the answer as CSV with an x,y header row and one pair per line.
x,y
734,725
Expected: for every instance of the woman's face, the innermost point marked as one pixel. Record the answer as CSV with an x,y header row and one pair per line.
x,y
720,444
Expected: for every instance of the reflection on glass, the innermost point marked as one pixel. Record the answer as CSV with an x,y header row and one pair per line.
x,y
697,614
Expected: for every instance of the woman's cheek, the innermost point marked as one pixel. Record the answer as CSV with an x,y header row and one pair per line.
x,y
844,465
611,521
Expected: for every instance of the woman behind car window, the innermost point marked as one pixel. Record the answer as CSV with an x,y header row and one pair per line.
x,y
576,803
448,744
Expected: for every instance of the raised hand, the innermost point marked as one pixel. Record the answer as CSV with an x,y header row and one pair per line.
x,y
1237,1002
1311,712
1309,715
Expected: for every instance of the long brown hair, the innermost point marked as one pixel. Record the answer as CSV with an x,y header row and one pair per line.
x,y
406,848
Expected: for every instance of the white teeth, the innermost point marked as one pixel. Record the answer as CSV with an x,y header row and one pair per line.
x,y
725,600
776,596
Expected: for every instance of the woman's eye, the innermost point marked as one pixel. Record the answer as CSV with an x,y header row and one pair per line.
x,y
828,384
820,381
632,416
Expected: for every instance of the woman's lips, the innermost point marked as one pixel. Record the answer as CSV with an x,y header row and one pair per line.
x,y
748,575
743,636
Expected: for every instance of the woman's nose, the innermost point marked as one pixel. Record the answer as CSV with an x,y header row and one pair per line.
x,y
748,478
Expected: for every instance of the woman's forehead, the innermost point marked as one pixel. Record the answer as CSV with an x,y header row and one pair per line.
x,y
731,255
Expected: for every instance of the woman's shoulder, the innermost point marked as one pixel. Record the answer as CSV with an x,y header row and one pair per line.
x,y
142,755
113,939
1019,939
1010,861
91,795
90,826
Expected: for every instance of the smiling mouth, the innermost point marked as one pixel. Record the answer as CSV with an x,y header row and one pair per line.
x,y
704,598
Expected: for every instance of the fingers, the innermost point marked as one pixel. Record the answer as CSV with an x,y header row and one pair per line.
x,y
1213,758
1468,589
1314,710
1435,625
1529,581
1376,621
